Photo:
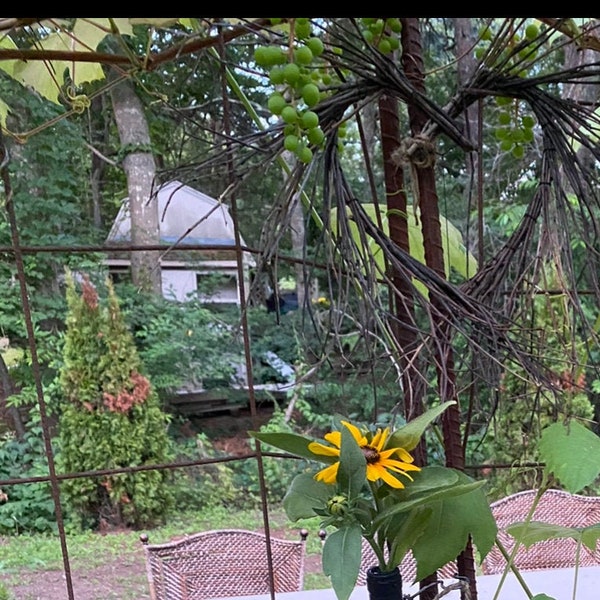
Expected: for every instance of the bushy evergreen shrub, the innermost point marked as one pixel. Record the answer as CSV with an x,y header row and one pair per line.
x,y
111,417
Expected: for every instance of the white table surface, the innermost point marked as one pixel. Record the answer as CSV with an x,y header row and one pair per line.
x,y
555,583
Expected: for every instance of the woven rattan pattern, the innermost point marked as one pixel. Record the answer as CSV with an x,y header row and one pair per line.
x,y
408,567
556,507
228,562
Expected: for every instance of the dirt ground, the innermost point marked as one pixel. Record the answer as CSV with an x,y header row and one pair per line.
x,y
124,577
119,579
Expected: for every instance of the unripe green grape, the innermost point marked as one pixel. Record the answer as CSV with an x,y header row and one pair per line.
x,y
276,103
503,100
289,114
342,130
291,142
394,42
384,46
518,151
277,55
504,118
326,78
303,29
304,154
377,27
502,133
485,33
368,21
276,75
531,31
291,73
311,94
315,136
261,56
516,135
527,135
303,55
309,119
394,24
369,36
303,80
290,129
316,46
528,54
479,53
527,121
506,145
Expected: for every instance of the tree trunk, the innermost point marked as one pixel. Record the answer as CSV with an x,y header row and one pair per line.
x,y
140,170
424,178
6,385
402,294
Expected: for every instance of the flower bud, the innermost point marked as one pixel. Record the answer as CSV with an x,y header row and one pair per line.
x,y
337,505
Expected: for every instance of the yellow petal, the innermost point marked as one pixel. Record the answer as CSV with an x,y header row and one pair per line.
x,y
318,448
375,472
334,437
396,465
380,438
328,474
357,434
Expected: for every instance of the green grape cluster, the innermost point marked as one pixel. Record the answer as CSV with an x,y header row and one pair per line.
x,y
519,52
382,33
514,130
298,82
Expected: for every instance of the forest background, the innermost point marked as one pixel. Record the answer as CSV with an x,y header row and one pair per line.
x,y
434,180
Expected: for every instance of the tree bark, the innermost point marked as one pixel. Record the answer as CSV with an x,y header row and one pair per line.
x,y
427,199
402,292
8,390
140,170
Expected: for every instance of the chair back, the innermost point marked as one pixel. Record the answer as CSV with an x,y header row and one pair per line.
x,y
556,507
408,566
226,562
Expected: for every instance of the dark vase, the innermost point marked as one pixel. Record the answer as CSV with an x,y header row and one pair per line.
x,y
384,585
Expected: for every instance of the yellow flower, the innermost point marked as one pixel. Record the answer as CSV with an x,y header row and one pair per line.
x,y
380,461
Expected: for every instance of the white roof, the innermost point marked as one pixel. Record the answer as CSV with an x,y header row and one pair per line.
x,y
185,215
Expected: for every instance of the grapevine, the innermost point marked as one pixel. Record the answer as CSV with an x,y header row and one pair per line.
x,y
515,128
299,87
300,78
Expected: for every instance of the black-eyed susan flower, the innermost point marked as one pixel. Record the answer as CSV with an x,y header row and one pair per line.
x,y
381,461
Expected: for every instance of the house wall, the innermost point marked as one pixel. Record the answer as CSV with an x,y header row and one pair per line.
x,y
178,284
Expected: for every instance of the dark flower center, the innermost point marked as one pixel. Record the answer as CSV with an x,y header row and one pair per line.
x,y
371,455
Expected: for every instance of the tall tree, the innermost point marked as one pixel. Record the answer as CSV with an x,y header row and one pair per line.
x,y
140,168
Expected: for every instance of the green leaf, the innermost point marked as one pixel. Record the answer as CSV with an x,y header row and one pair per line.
x,y
409,435
290,442
571,453
429,498
353,466
304,495
405,530
341,559
456,255
4,110
453,520
536,531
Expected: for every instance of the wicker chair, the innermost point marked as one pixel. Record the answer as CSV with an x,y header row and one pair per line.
x,y
227,562
408,567
556,507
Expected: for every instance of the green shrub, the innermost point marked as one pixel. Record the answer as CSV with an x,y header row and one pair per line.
x,y
201,486
278,472
111,418
27,507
